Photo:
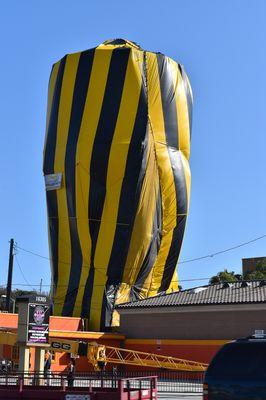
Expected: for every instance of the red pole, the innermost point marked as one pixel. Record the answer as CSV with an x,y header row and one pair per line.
x,y
20,384
154,386
121,389
63,383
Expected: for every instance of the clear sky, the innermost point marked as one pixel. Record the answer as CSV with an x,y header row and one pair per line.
x,y
222,46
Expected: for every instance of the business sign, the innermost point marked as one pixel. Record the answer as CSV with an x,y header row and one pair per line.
x,y
38,325
60,346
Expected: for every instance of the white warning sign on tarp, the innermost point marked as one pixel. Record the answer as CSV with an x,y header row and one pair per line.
x,y
53,181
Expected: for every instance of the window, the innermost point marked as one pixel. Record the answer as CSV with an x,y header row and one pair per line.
x,y
239,359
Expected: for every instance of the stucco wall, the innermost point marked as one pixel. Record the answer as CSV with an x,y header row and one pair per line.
x,y
192,325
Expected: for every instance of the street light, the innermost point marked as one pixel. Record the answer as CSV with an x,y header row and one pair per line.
x,y
3,296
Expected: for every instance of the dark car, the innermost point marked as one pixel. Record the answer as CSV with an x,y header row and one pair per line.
x,y
238,371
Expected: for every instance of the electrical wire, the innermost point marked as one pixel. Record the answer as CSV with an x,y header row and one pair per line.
x,y
97,269
223,251
211,255
49,285
23,276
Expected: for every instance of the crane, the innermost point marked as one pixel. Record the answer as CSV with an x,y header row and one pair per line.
x,y
99,355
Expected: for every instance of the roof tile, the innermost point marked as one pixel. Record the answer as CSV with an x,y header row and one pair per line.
x,y
211,294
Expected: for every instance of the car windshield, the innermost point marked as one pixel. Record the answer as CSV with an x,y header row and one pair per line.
x,y
240,359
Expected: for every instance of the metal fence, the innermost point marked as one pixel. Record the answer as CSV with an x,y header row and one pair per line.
x,y
168,381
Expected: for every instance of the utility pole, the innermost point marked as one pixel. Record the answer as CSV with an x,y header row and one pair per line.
x,y
10,273
41,286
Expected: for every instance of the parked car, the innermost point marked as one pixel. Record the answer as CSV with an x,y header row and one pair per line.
x,y
238,371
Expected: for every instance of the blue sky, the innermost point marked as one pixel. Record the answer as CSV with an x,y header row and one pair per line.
x,y
222,46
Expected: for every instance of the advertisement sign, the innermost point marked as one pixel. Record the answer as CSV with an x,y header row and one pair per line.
x,y
38,325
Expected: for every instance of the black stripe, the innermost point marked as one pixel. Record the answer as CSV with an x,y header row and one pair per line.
x,y
112,288
188,94
130,192
178,233
52,210
171,131
101,148
173,254
49,156
152,252
168,101
48,168
86,301
110,292
128,204
78,103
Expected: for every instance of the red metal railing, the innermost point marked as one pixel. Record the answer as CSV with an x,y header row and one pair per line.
x,y
37,387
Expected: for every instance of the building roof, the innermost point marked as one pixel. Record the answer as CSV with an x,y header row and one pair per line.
x,y
222,293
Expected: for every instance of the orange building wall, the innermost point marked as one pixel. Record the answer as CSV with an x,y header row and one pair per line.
x,y
194,350
64,323
61,360
62,327
9,321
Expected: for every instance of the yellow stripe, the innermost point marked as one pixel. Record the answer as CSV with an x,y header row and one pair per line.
x,y
110,46
173,287
183,126
115,173
50,98
64,245
87,132
143,227
178,342
181,110
187,174
165,172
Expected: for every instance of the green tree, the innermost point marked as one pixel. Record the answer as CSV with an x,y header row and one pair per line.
x,y
14,294
258,274
225,276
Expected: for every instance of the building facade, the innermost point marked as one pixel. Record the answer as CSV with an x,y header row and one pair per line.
x,y
191,324
194,323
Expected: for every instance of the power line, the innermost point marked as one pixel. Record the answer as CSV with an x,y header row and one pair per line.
x,y
211,255
23,276
33,253
80,286
223,251
49,285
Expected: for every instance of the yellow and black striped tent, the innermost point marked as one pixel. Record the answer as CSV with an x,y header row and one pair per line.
x,y
117,177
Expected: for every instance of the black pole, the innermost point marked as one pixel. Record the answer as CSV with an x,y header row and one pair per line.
x,y
10,273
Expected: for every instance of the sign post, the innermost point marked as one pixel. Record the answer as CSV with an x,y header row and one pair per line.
x,y
33,330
